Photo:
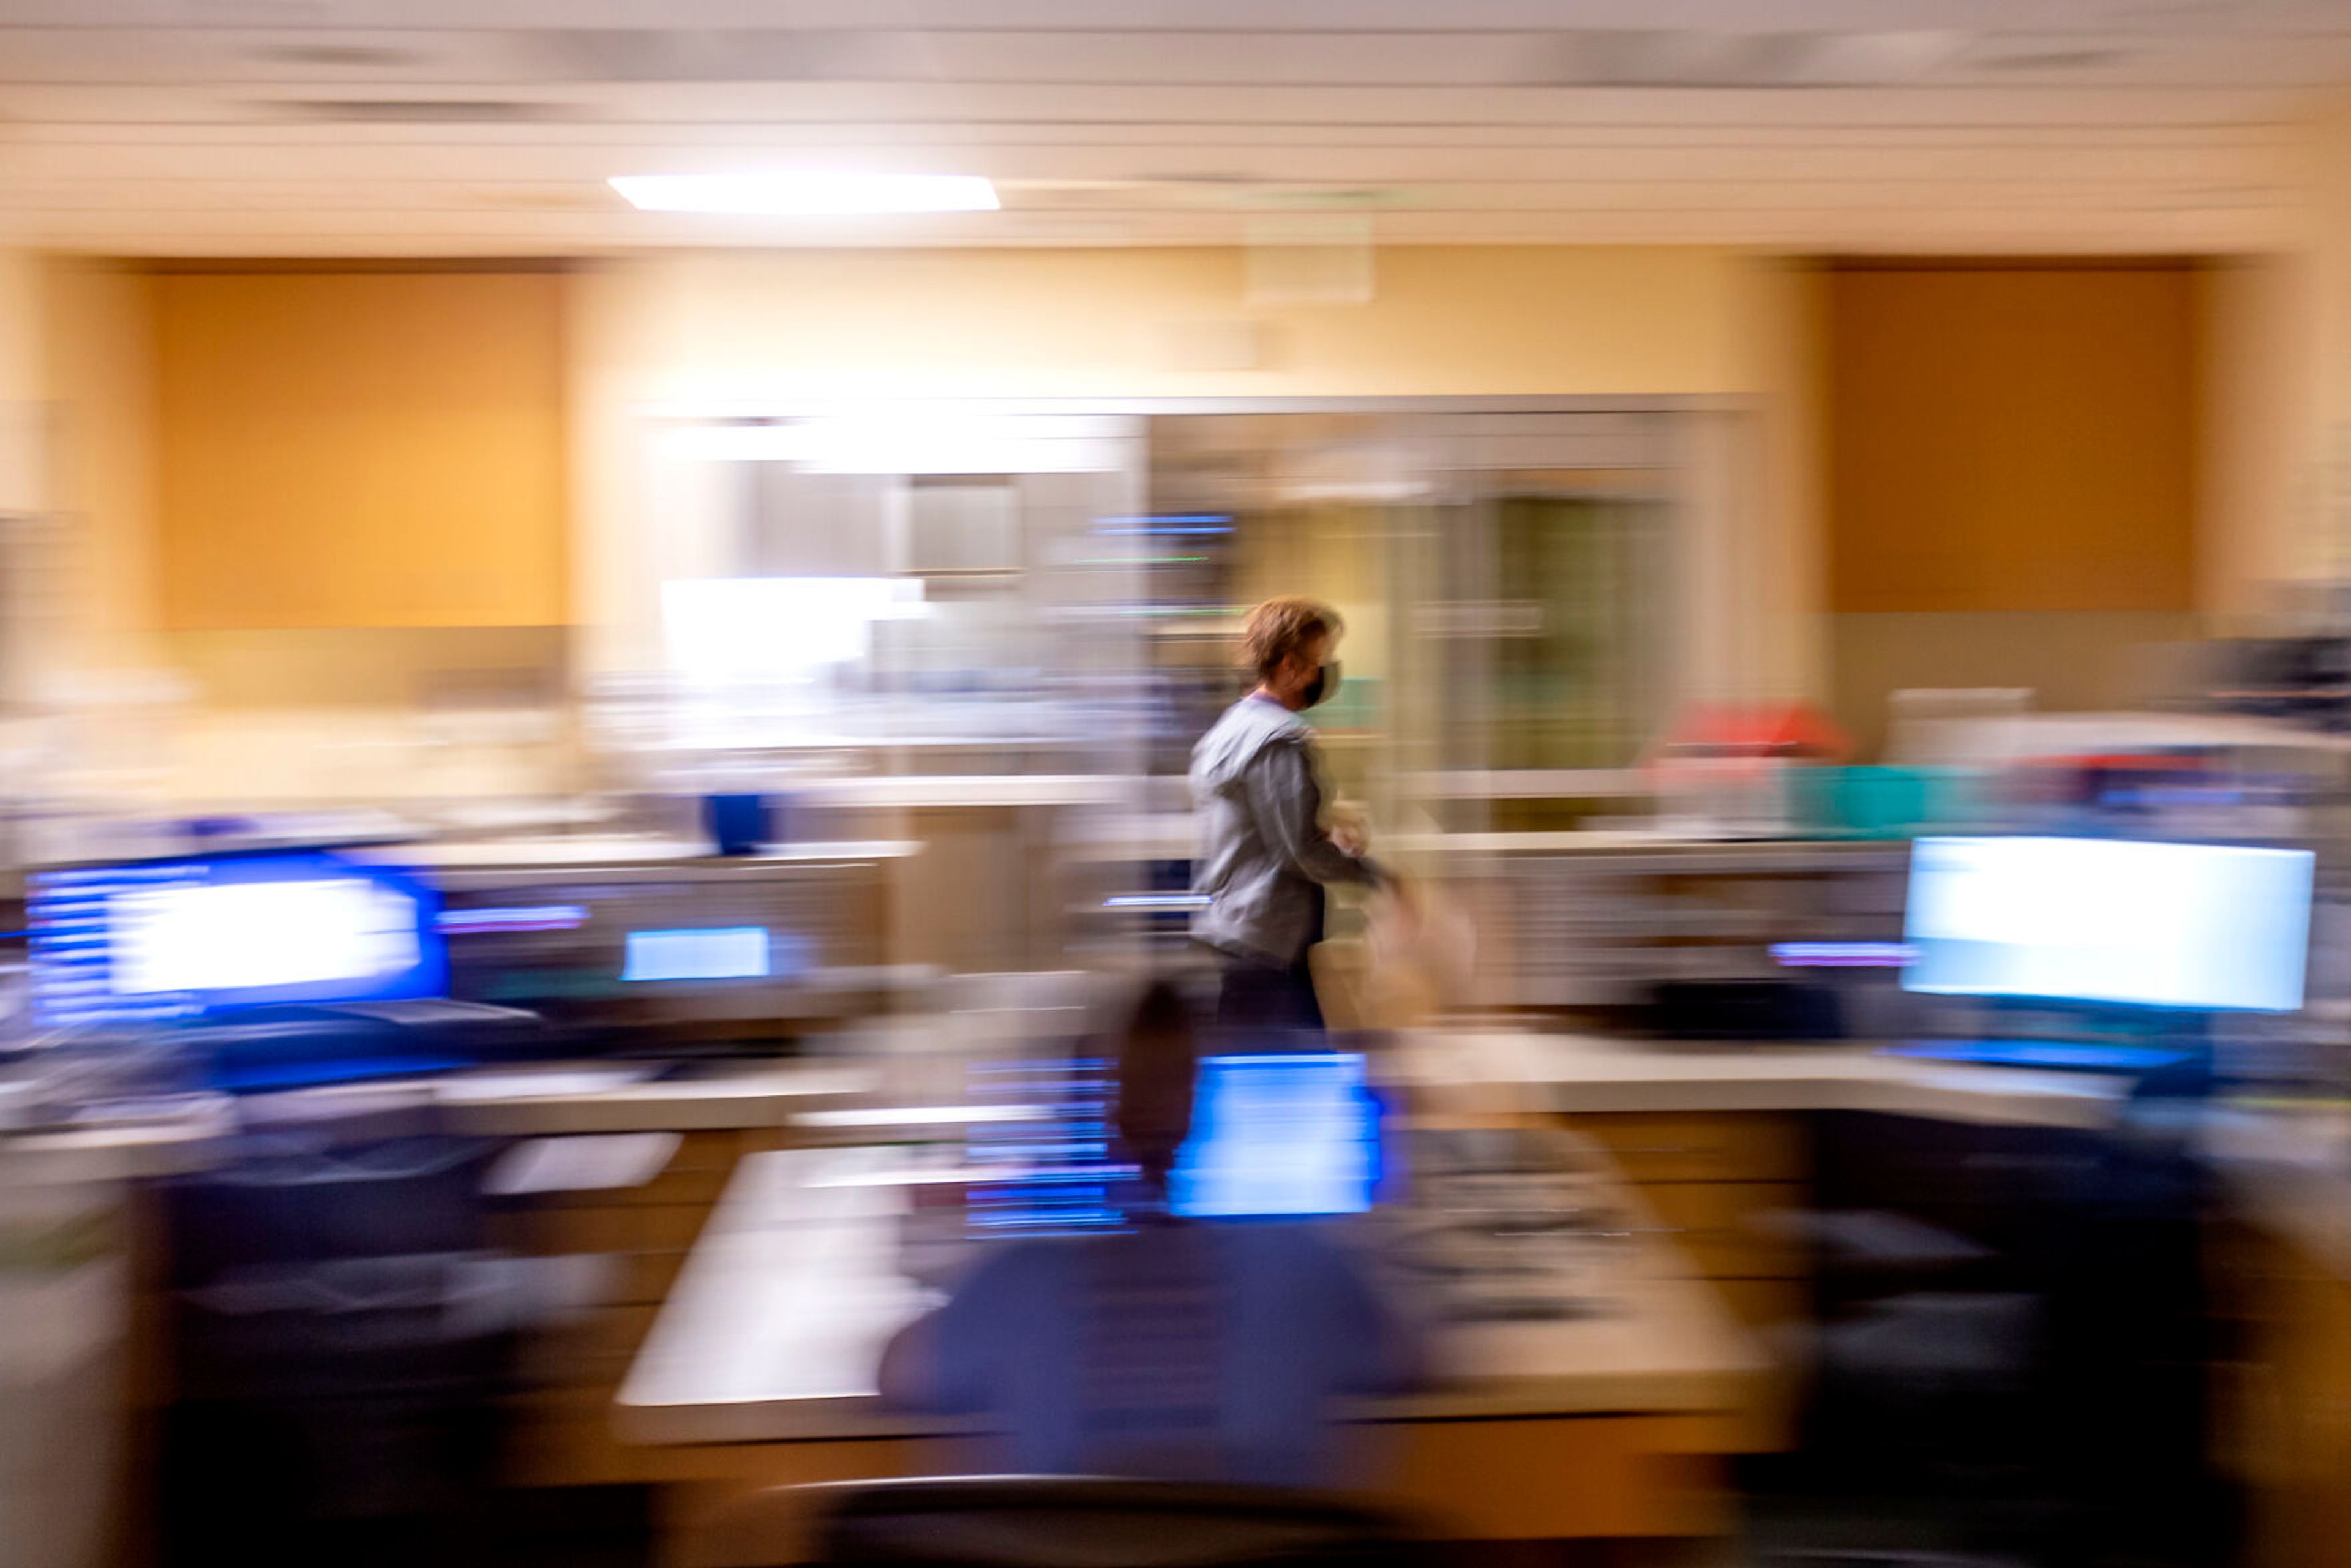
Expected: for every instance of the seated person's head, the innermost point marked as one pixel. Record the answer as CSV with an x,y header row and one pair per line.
x,y
1157,1061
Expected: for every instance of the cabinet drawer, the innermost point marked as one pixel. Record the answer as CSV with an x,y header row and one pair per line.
x,y
1707,1148
592,1352
697,1171
1767,1303
1720,1227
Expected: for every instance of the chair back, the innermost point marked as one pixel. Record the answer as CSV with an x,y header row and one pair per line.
x,y
1083,1521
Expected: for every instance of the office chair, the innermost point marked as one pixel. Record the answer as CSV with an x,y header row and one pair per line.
x,y
1065,1522
338,1330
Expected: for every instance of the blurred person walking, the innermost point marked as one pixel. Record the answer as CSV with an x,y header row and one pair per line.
x,y
1265,851
1168,1348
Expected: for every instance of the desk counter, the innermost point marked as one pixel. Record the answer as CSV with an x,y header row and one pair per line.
x,y
1570,1073
776,1328
761,1368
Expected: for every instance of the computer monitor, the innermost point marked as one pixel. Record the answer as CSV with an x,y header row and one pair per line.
x,y
1295,1134
712,953
184,939
2206,928
1279,1135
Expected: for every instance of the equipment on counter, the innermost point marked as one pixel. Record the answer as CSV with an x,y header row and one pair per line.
x,y
688,957
1279,1135
299,1046
198,937
1288,1134
1760,1010
2207,927
268,970
711,953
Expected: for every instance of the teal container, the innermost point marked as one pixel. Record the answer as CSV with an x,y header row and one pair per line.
x,y
1876,802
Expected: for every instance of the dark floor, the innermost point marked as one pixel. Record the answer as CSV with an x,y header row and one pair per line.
x,y
611,1527
1786,1526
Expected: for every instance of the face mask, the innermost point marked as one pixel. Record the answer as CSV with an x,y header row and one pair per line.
x,y
1325,682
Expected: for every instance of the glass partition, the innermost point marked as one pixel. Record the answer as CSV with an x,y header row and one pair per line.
x,y
1054,595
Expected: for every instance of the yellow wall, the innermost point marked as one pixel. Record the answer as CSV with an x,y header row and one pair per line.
x,y
99,373
1097,323
23,482
809,326
2019,486
2321,534
234,717
1779,526
813,326
309,484
2254,527
359,449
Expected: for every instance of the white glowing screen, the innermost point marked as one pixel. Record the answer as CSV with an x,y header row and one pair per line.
x,y
715,953
2205,927
1291,1133
234,936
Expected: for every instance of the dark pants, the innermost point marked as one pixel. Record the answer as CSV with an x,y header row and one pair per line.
x,y
1259,997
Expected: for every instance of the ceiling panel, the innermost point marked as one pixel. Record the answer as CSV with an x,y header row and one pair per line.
x,y
1276,110
427,125
1367,170
2230,17
359,62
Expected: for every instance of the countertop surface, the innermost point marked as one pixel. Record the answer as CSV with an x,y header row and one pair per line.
x,y
775,1329
571,851
183,1133
1570,1073
2286,1169
2291,1167
1171,835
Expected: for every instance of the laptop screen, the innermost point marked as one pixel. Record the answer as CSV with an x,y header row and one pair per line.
x,y
1277,1134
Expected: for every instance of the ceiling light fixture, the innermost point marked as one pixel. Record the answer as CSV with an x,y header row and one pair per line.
x,y
807,195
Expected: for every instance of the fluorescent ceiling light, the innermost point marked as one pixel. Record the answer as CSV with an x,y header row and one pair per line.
x,y
806,193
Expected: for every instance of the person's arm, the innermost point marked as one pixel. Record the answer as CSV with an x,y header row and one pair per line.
x,y
1286,802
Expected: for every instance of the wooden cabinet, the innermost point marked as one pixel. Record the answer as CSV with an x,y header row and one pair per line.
x,y
359,449
1674,1147
2282,1399
637,1238
1717,1180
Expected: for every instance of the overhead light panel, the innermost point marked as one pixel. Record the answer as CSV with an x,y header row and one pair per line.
x,y
807,195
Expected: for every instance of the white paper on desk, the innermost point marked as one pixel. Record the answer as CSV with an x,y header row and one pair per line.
x,y
585,1162
530,1085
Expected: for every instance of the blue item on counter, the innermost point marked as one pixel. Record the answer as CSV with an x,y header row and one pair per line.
x,y
737,824
204,828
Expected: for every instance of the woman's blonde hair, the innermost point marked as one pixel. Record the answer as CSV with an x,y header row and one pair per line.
x,y
1280,627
